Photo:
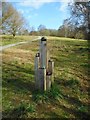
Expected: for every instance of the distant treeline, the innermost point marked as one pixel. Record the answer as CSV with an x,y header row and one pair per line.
x,y
63,31
77,26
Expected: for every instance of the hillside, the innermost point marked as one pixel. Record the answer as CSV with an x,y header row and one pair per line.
x,y
68,97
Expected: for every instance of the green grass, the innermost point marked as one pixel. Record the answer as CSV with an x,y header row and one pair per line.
x,y
8,39
68,97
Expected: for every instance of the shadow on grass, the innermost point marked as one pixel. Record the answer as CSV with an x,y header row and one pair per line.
x,y
78,114
67,83
18,78
53,115
82,50
25,83
20,111
18,68
15,113
81,110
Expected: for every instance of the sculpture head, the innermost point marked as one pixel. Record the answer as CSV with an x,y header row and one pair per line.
x,y
43,39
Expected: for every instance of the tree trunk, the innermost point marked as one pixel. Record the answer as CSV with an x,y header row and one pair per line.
x,y
13,34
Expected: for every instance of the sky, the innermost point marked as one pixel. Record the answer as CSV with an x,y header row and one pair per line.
x,y
50,13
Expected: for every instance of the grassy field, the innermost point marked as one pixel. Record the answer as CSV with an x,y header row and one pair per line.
x,y
5,39
68,97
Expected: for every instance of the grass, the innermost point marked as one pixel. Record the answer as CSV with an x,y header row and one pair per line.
x,y
8,39
68,97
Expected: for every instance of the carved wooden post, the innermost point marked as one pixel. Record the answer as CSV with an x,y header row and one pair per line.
x,y
36,70
48,81
44,69
42,79
43,53
51,69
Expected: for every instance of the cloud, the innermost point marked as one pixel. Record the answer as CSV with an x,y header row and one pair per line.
x,y
36,14
29,16
25,11
31,1
21,11
45,1
11,0
64,5
33,15
36,4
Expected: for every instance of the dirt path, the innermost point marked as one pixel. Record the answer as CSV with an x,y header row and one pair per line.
x,y
11,45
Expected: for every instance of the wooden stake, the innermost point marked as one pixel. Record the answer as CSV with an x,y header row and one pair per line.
x,y
44,69
36,70
51,69
42,79
48,82
43,53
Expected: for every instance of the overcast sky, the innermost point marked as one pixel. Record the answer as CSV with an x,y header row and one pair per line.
x,y
50,13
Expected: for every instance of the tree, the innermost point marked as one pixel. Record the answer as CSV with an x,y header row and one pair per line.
x,y
41,27
61,31
65,24
80,16
43,30
25,32
33,31
53,32
0,18
12,21
68,29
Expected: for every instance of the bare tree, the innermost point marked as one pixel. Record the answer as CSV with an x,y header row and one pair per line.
x,y
7,11
41,27
0,18
80,16
12,20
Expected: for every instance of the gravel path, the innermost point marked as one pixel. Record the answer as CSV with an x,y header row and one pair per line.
x,y
11,45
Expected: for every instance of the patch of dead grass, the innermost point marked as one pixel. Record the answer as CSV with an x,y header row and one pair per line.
x,y
19,55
